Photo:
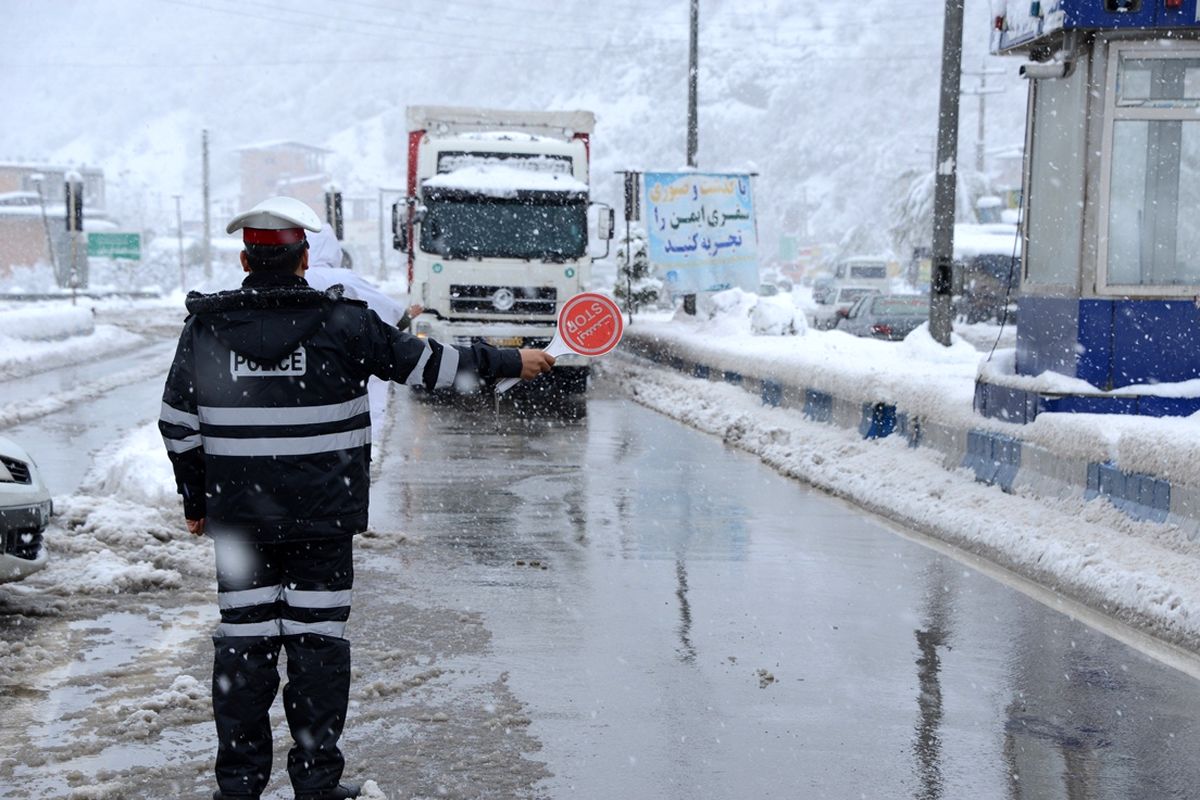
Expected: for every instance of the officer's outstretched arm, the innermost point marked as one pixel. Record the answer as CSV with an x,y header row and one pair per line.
x,y
397,356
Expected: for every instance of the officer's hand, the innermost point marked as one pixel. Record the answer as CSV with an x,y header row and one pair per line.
x,y
195,527
415,310
534,363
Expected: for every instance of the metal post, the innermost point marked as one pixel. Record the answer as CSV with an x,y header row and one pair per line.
x,y
179,235
693,131
37,182
941,313
207,247
73,196
980,134
693,135
982,91
382,249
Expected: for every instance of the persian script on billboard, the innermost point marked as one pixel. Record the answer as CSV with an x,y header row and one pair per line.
x,y
702,232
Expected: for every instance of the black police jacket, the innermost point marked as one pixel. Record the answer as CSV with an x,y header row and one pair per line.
x,y
265,413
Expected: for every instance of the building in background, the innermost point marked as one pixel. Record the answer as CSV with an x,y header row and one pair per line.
x,y
292,169
24,233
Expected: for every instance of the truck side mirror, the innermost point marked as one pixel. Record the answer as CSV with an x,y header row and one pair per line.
x,y
399,229
607,222
605,225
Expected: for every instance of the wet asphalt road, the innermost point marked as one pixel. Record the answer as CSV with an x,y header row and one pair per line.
x,y
606,604
682,622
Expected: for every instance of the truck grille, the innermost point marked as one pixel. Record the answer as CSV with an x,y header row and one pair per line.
x,y
527,300
23,543
18,469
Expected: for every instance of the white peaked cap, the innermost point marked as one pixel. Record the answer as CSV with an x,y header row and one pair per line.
x,y
275,214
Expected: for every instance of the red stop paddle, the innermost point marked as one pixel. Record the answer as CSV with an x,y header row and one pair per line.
x,y
589,324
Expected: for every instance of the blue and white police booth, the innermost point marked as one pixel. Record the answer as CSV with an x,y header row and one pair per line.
x,y
1110,289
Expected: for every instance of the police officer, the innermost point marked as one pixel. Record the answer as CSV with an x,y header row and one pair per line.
x,y
266,421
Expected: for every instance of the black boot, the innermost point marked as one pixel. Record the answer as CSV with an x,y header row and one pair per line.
x,y
315,700
341,792
245,679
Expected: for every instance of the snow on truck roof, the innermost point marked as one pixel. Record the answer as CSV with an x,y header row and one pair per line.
x,y
448,119
507,136
499,180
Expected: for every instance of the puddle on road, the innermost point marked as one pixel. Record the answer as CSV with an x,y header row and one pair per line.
x,y
64,721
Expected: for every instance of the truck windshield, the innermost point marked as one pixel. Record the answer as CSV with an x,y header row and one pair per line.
x,y
488,227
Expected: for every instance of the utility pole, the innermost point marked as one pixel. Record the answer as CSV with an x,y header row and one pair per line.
x,y
382,249
207,245
693,124
693,133
941,312
982,91
179,235
38,179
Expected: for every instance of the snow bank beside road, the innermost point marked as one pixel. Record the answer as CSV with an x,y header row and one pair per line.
x,y
19,357
44,323
924,380
916,374
38,338
123,532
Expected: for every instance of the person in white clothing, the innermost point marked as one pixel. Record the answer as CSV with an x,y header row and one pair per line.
x,y
325,269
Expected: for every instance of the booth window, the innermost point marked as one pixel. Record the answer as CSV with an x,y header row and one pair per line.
x,y
1054,215
1153,172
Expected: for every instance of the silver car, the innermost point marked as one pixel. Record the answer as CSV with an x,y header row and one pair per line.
x,y
828,313
887,316
25,509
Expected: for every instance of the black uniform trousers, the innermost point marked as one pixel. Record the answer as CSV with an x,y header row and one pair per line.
x,y
295,595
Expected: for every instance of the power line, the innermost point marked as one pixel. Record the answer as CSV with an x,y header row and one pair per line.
x,y
454,40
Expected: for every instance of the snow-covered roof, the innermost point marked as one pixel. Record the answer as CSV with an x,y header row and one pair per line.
x,y
498,180
317,176
19,199
52,211
36,167
997,239
277,143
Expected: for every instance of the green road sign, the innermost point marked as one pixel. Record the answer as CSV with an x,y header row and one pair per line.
x,y
115,245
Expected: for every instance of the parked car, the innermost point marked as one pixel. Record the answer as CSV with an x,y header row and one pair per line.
x,y
25,510
827,314
888,316
822,289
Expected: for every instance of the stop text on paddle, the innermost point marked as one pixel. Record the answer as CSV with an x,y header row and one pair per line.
x,y
589,324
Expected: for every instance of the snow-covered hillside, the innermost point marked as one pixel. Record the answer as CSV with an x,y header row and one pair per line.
x,y
829,102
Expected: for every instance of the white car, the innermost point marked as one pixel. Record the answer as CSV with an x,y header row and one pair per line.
x,y
25,509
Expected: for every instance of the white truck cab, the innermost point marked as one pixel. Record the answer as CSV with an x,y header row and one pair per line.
x,y
496,224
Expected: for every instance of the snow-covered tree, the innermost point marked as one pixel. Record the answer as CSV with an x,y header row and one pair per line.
x,y
636,287
912,206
